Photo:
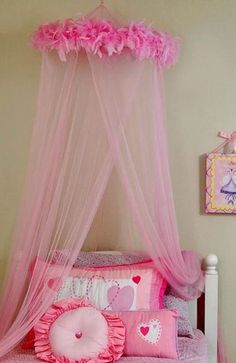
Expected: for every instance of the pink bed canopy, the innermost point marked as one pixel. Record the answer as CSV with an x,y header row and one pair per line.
x,y
100,108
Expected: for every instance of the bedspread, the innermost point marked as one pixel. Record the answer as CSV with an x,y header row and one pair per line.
x,y
190,351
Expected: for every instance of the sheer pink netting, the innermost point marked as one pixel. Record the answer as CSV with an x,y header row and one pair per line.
x,y
93,116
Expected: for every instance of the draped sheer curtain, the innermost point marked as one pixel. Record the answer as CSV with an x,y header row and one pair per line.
x,y
133,116
93,115
68,171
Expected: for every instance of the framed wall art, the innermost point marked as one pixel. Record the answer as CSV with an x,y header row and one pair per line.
x,y
220,183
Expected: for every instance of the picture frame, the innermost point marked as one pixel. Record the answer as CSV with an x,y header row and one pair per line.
x,y
220,183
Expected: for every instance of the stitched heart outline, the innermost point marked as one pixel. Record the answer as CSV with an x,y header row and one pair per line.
x,y
90,284
150,331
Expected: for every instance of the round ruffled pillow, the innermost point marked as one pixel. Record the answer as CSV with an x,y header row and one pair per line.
x,y
73,331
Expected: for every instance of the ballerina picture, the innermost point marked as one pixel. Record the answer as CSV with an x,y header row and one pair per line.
x,y
229,184
221,183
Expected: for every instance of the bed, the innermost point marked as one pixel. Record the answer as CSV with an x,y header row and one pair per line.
x,y
190,351
202,348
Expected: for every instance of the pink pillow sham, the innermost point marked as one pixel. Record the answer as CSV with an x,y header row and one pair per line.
x,y
73,331
150,334
118,288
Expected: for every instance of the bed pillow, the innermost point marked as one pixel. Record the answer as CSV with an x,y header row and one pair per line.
x,y
101,258
73,331
173,301
117,288
150,334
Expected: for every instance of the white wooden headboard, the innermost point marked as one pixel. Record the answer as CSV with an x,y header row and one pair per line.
x,y
204,311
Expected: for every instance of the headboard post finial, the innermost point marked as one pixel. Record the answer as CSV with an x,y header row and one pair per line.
x,y
210,263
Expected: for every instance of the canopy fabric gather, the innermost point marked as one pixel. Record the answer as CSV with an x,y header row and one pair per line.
x,y
100,107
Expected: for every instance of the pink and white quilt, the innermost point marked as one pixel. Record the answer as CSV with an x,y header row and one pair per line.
x,y
191,350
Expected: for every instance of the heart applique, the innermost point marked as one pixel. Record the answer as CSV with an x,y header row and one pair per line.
x,y
119,299
122,299
151,331
144,330
136,279
55,284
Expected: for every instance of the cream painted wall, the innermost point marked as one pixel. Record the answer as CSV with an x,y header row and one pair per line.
x,y
201,93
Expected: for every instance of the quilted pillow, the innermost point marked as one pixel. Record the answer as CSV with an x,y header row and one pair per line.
x,y
117,288
73,331
150,334
173,301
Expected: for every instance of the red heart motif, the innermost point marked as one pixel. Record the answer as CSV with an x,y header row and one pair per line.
x,y
144,330
55,284
136,279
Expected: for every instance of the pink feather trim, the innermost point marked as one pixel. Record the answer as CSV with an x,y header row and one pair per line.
x,y
102,38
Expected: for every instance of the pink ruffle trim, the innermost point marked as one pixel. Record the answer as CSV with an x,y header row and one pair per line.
x,y
43,349
101,37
